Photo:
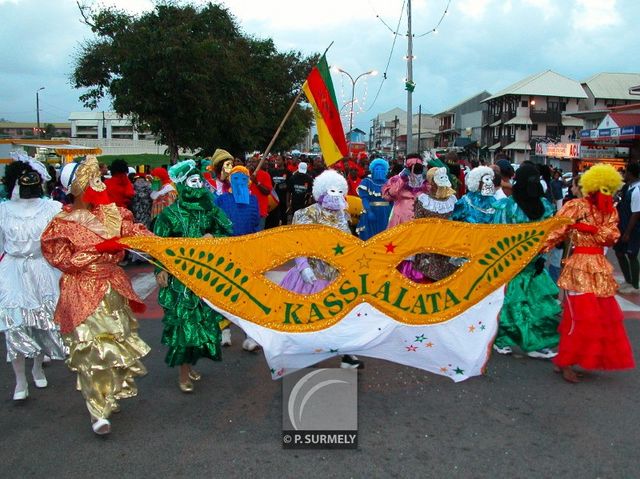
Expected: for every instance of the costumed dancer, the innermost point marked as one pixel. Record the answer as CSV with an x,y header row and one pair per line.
x,y
592,333
376,209
191,328
530,313
142,203
29,288
310,275
478,204
402,190
96,298
241,207
438,203
222,163
165,194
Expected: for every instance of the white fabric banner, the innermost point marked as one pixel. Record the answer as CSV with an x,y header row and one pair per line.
x,y
458,348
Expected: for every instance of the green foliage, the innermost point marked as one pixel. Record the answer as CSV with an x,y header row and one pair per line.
x,y
193,77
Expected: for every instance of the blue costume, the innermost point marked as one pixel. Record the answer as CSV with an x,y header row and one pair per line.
x,y
474,208
245,217
377,209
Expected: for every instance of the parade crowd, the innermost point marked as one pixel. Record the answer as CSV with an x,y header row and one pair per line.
x,y
65,295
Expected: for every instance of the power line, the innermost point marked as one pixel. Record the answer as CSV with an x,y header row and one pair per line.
x,y
386,68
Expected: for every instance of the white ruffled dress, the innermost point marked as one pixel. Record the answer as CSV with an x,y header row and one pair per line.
x,y
29,285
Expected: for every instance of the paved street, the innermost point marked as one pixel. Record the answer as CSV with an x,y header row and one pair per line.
x,y
520,420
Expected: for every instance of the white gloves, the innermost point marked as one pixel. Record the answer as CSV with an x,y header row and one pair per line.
x,y
308,276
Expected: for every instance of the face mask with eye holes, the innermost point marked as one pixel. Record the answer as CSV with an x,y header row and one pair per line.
x,y
194,181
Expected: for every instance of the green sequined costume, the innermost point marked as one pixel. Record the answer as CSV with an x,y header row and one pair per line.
x,y
531,311
190,326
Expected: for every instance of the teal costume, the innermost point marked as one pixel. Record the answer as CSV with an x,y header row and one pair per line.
x,y
530,314
190,326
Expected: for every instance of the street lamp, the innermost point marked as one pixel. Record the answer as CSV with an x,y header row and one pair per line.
x,y
353,90
38,110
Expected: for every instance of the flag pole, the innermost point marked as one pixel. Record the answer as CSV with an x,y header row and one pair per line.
x,y
284,120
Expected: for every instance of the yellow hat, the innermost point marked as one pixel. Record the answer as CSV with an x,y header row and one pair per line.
x,y
220,155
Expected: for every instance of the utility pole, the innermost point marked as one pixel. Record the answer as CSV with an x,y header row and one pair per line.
x,y
409,85
39,133
395,137
419,127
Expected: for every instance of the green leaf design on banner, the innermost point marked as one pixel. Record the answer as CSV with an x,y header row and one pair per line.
x,y
215,274
506,251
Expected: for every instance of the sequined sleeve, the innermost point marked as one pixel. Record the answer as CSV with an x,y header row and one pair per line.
x,y
608,232
60,251
129,227
573,209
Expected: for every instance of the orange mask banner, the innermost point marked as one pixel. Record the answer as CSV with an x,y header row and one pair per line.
x,y
230,272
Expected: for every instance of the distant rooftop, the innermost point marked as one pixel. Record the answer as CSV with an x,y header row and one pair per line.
x,y
31,124
547,83
614,86
451,108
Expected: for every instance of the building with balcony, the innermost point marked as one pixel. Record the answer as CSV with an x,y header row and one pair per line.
x,y
529,112
105,125
461,124
389,132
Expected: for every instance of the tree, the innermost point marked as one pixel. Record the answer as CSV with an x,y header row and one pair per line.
x,y
49,130
192,77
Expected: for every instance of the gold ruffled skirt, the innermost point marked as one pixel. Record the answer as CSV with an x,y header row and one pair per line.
x,y
105,352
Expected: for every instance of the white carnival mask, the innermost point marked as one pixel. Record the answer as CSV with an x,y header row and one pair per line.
x,y
194,181
441,178
335,191
486,186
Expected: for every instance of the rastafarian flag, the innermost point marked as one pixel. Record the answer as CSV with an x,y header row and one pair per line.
x,y
371,309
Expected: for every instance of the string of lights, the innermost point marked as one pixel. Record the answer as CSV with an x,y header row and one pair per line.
x,y
435,29
358,105
381,19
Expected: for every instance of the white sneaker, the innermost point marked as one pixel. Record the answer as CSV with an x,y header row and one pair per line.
x,y
101,427
250,345
544,353
349,361
503,350
21,394
226,337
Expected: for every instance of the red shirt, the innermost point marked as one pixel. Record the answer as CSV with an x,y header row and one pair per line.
x,y
264,179
120,190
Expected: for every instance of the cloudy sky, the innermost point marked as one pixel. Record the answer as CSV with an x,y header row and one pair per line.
x,y
480,45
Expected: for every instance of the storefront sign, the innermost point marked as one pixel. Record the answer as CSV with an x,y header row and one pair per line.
x,y
610,132
596,151
557,150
